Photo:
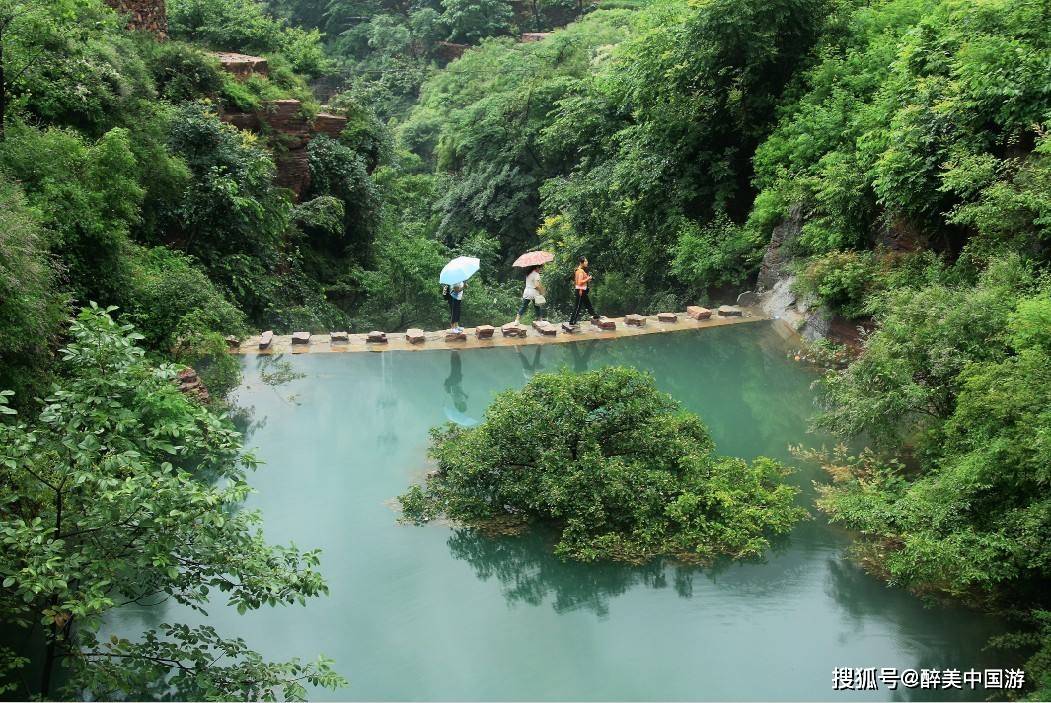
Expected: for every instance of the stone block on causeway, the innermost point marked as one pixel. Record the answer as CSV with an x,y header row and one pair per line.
x,y
698,313
546,329
512,329
634,320
300,338
233,342
415,335
265,339
376,337
604,323
568,328
484,331
451,336
339,337
667,317
729,311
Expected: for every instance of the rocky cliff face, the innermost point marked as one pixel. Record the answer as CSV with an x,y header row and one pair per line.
x,y
774,285
289,129
144,15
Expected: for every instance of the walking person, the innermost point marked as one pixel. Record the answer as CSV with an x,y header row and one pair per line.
x,y
582,281
455,301
534,292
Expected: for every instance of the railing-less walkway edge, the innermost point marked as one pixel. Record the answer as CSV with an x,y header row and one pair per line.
x,y
487,336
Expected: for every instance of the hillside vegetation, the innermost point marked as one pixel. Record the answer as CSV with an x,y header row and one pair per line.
x,y
899,148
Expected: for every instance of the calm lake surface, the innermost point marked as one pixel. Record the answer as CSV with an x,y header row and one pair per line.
x,y
439,613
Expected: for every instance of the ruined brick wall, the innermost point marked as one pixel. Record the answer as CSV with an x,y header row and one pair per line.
x,y
144,15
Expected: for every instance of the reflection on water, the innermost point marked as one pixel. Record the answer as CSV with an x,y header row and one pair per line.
x,y
442,613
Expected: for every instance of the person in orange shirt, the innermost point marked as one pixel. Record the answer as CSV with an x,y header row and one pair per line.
x,y
581,281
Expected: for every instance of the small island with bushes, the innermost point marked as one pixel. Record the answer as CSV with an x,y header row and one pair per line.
x,y
614,465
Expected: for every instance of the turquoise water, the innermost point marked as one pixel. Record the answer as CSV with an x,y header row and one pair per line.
x,y
439,613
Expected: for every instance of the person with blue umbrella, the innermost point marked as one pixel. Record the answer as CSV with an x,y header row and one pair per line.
x,y
454,280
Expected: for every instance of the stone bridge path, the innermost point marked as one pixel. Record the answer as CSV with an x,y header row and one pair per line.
x,y
486,336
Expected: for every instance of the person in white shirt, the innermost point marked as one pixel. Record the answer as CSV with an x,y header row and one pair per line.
x,y
533,293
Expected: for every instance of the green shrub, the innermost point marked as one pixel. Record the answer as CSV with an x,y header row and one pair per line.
x,y
615,466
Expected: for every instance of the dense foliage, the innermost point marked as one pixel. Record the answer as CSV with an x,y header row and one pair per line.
x,y
898,147
614,465
122,490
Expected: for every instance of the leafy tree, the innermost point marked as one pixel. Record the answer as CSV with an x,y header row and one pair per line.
x,y
244,26
471,20
907,378
614,465
88,194
122,490
31,306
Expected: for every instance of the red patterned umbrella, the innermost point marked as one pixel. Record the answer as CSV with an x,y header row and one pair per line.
x,y
533,258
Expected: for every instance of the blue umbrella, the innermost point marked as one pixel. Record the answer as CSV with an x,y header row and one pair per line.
x,y
459,418
459,269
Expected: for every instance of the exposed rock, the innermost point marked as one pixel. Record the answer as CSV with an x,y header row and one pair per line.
x,y
698,313
191,386
339,337
667,317
242,66
634,320
265,339
534,36
446,51
143,15
291,132
232,341
604,323
329,125
248,121
747,299
777,255
484,331
415,335
376,337
546,329
453,336
729,311
568,328
300,338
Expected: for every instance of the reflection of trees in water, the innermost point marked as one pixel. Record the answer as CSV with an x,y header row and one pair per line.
x,y
939,637
529,572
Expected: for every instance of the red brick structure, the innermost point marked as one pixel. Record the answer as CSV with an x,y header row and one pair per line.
x,y
144,15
